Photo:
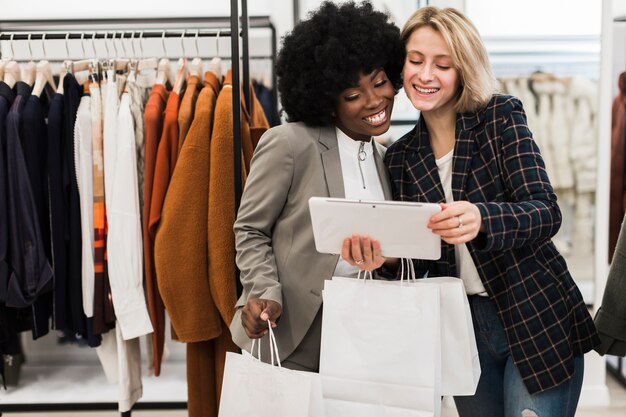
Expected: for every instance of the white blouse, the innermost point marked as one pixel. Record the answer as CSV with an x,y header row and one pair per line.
x,y
360,181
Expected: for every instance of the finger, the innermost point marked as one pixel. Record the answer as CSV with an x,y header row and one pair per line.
x,y
345,251
367,249
356,249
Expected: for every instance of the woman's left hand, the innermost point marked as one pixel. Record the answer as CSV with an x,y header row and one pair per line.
x,y
362,252
458,222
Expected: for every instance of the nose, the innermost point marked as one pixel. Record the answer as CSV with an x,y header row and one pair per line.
x,y
374,99
425,75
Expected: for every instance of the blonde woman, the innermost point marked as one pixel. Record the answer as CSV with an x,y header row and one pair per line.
x,y
472,152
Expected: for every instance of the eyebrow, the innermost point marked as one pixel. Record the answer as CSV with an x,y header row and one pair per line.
x,y
375,73
436,56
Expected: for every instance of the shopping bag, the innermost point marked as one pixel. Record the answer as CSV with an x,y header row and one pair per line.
x,y
460,364
253,388
380,339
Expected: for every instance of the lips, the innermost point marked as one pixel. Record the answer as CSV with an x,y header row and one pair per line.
x,y
425,91
377,119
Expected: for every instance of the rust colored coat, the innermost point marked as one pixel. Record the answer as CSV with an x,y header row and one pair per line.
x,y
153,128
617,205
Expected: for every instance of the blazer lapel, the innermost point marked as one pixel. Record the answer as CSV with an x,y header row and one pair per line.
x,y
331,162
464,149
420,164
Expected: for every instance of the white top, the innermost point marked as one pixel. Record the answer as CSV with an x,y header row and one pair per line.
x,y
465,267
84,180
124,242
360,181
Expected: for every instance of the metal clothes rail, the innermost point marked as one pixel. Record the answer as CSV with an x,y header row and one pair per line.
x,y
129,29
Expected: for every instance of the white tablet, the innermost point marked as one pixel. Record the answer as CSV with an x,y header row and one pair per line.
x,y
399,226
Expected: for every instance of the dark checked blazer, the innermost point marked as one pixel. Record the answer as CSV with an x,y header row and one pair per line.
x,y
498,167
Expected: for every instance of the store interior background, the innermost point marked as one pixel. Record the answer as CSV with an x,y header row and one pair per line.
x,y
577,37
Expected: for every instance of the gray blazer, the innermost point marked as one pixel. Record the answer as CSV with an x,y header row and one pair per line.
x,y
273,234
610,319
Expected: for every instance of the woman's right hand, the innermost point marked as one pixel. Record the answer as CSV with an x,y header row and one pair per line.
x,y
255,315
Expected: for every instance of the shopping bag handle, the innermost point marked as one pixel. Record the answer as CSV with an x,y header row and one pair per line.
x,y
366,274
273,346
410,270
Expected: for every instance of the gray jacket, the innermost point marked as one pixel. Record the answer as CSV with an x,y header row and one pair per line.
x,y
611,316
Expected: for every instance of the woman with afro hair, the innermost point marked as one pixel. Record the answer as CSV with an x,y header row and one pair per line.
x,y
338,73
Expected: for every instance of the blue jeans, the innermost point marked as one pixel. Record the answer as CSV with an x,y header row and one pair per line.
x,y
501,391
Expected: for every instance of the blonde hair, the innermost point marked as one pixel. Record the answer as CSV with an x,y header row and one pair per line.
x,y
467,51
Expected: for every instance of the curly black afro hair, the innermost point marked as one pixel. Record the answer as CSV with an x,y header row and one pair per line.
x,y
326,54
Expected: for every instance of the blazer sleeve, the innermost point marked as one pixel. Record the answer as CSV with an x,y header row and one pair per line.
x,y
265,194
532,214
610,319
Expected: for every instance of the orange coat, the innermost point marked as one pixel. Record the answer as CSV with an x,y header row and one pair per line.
x,y
153,128
181,240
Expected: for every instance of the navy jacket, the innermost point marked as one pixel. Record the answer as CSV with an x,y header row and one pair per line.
x,y
498,167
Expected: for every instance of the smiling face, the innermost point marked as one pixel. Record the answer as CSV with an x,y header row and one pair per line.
x,y
430,80
364,111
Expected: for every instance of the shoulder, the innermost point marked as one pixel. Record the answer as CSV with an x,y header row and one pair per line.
x,y
296,137
501,106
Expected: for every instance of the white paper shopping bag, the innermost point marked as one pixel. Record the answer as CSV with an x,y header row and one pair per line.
x,y
254,388
384,338
460,365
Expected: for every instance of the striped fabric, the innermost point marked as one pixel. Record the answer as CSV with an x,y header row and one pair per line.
x,y
498,167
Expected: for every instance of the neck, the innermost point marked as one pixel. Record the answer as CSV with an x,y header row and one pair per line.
x,y
441,129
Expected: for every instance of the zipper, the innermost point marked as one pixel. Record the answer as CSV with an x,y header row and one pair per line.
x,y
361,158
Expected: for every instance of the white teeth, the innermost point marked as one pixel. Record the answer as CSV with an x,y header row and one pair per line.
x,y
377,118
426,90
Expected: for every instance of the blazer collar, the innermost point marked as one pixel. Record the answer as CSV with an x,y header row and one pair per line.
x,y
332,165
331,162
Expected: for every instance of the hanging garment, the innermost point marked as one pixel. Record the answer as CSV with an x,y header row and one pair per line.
x,y
153,127
31,273
180,248
12,320
84,179
167,154
264,95
6,99
103,312
73,297
125,264
33,134
58,209
618,165
138,97
187,107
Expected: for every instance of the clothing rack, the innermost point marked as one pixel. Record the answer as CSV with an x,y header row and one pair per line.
x,y
140,28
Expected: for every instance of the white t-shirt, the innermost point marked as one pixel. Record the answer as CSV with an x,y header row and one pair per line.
x,y
360,181
465,267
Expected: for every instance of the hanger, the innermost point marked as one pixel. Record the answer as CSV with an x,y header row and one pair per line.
x,y
12,73
43,71
30,69
164,70
181,72
215,66
196,64
43,77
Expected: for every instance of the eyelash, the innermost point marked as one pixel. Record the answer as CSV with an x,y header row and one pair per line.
x,y
441,67
355,96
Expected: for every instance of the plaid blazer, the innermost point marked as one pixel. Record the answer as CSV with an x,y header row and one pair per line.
x,y
498,167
